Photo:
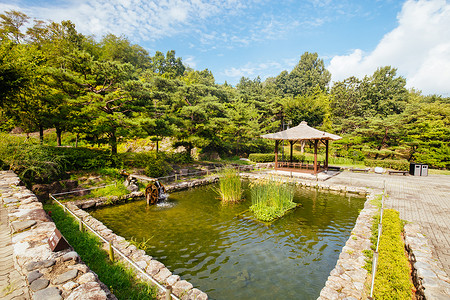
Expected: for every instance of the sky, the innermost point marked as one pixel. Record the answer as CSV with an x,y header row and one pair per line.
x,y
250,38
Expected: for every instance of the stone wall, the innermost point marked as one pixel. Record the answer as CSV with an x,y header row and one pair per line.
x,y
429,279
50,275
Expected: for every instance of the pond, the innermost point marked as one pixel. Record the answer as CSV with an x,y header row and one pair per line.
x,y
202,240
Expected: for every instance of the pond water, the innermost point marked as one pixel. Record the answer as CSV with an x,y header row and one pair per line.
x,y
204,242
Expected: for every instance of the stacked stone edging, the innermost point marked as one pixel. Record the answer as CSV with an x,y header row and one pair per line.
x,y
348,279
429,279
105,201
157,270
50,275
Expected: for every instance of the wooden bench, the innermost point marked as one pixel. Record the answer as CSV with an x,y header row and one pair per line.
x,y
398,172
359,170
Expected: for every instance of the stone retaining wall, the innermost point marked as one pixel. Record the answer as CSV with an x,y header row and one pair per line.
x,y
429,279
50,275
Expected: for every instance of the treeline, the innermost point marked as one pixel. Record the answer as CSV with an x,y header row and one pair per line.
x,y
103,91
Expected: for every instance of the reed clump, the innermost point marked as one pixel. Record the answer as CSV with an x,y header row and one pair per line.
x,y
271,198
230,186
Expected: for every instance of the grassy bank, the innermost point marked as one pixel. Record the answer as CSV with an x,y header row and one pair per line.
x,y
116,276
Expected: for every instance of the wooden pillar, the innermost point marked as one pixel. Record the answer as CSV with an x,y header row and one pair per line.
x,y
326,155
315,156
292,144
276,154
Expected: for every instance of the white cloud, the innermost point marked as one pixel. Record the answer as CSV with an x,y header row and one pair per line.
x,y
419,48
252,70
139,19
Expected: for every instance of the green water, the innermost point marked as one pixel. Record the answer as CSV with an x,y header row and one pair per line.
x,y
203,241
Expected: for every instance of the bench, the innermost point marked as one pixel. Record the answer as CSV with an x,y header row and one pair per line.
x,y
398,172
359,170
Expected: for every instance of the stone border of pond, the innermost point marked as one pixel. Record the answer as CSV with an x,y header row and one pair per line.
x,y
49,275
347,280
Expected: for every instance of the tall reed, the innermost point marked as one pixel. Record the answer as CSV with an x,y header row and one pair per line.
x,y
271,198
230,187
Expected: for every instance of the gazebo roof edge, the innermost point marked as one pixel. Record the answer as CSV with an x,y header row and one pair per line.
x,y
301,132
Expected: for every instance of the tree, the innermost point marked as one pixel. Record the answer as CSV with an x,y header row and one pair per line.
x,y
10,25
309,73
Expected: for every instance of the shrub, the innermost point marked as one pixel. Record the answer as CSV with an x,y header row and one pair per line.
x,y
85,158
392,280
388,164
31,161
271,199
230,187
155,164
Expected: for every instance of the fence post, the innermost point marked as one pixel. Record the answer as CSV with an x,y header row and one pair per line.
x,y
111,252
168,292
80,224
176,177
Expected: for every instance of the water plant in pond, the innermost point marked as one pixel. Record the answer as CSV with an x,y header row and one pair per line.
x,y
230,186
271,198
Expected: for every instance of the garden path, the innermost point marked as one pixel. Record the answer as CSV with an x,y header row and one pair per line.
x,y
421,200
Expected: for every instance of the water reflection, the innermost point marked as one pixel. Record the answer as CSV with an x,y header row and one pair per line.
x,y
200,239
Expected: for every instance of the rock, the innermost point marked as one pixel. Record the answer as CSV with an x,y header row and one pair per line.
x,y
40,264
142,264
68,286
85,278
22,225
39,284
80,267
181,287
90,290
133,187
87,204
69,275
10,200
172,279
51,293
153,267
32,276
197,294
162,275
72,255
328,293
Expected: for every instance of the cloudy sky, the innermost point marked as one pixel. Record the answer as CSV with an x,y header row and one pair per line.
x,y
235,38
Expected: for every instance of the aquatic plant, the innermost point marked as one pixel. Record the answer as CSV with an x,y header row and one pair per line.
x,y
230,186
271,198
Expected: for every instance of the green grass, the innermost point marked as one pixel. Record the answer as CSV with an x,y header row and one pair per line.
x,y
271,199
121,280
438,172
230,186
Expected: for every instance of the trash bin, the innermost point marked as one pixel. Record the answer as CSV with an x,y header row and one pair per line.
x,y
415,169
424,170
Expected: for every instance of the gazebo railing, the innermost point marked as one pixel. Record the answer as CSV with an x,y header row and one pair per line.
x,y
307,166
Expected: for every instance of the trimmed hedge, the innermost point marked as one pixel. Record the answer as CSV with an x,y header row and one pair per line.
x,y
270,157
392,280
402,165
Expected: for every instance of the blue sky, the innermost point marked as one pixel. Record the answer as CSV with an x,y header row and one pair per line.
x,y
251,38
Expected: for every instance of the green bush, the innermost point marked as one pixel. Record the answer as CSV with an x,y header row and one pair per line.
x,y
85,158
392,280
33,162
402,165
155,164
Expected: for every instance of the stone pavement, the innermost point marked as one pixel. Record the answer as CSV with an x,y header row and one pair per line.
x,y
13,285
421,200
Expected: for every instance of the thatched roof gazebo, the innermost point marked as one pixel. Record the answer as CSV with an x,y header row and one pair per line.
x,y
302,132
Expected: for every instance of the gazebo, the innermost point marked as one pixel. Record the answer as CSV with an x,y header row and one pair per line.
x,y
302,132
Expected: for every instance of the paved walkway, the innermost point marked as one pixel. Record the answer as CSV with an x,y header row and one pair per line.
x,y
13,285
422,200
